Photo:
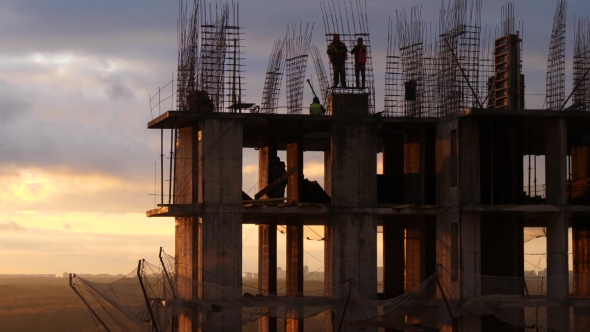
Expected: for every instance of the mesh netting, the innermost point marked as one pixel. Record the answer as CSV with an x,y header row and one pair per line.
x,y
149,298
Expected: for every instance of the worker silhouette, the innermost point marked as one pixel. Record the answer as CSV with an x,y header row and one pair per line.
x,y
280,170
337,53
316,108
360,59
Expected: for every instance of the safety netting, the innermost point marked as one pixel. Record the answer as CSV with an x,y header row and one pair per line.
x,y
155,298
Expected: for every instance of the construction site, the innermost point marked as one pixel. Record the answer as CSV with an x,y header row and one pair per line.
x,y
458,186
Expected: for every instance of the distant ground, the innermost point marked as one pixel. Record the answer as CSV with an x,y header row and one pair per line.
x,y
49,304
42,304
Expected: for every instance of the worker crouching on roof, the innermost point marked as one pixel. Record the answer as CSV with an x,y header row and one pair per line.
x,y
360,59
316,108
199,101
337,53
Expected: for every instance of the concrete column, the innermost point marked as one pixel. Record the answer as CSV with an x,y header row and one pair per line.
x,y
266,165
354,189
328,243
393,258
581,256
294,274
580,158
557,271
415,253
267,242
581,260
294,157
267,271
186,238
220,225
186,229
580,171
557,224
414,170
555,161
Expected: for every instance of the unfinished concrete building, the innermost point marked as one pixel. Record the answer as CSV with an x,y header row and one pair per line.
x,y
452,199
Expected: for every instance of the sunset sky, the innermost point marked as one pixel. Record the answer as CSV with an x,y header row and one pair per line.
x,y
76,159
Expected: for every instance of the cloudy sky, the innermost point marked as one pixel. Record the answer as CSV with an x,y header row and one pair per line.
x,y
76,160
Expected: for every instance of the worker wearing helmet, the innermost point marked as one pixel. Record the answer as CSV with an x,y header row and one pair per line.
x,y
316,108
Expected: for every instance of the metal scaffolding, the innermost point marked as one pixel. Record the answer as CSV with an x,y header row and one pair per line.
x,y
188,52
458,52
581,92
349,20
556,60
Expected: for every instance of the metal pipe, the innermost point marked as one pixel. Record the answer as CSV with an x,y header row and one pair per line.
x,y
170,177
88,305
147,301
162,166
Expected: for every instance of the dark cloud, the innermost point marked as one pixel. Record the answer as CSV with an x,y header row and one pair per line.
x,y
116,90
11,226
67,226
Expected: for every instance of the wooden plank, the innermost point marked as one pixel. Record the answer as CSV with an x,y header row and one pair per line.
x,y
276,182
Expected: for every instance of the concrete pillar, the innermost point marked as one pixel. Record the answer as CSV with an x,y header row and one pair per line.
x,y
354,189
580,231
581,256
220,225
393,230
415,253
557,224
267,271
414,166
580,162
266,165
581,261
186,238
557,271
580,172
267,242
393,258
186,229
328,243
294,274
294,236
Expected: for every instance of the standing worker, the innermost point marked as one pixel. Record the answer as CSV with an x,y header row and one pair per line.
x,y
316,108
337,53
360,59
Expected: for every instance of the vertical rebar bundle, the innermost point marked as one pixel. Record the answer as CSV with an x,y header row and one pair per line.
x,y
297,49
349,20
188,51
321,73
213,53
274,77
393,76
458,51
556,60
411,44
581,93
